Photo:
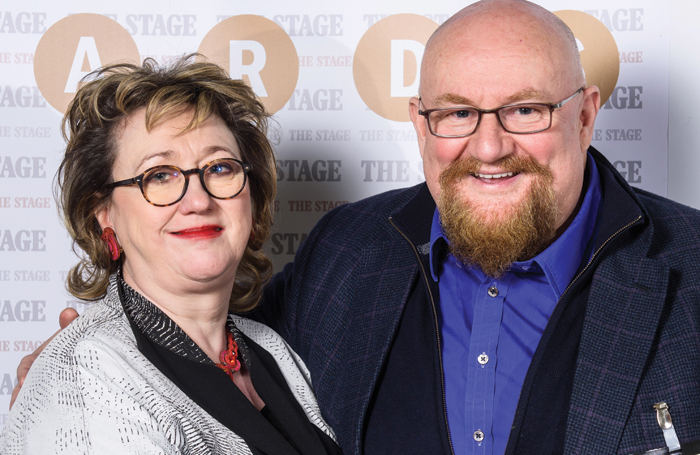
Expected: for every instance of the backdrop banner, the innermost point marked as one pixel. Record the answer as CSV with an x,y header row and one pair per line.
x,y
337,77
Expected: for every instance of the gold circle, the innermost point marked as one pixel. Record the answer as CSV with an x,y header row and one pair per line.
x,y
281,71
600,57
371,66
58,47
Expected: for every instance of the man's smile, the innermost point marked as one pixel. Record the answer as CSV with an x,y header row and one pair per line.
x,y
494,176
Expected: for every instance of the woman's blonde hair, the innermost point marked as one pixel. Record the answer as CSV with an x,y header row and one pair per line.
x,y
91,123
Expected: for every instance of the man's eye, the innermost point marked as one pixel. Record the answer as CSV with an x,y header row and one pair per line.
x,y
462,114
525,110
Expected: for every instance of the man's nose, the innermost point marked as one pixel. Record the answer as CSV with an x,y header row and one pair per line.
x,y
490,141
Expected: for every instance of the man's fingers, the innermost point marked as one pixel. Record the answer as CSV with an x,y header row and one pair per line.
x,y
66,317
15,392
23,369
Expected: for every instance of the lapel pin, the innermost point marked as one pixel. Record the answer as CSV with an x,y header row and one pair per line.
x,y
663,417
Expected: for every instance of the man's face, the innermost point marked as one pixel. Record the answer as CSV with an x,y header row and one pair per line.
x,y
488,63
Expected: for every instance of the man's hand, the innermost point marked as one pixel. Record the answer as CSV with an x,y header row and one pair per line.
x,y
66,317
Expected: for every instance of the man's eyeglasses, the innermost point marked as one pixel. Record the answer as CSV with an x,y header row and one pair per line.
x,y
523,118
162,186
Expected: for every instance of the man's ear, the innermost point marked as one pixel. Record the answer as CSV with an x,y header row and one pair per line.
x,y
419,123
589,112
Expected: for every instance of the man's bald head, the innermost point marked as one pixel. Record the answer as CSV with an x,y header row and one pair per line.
x,y
501,20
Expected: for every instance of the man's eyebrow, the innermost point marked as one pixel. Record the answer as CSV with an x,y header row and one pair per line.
x,y
529,94
453,98
523,95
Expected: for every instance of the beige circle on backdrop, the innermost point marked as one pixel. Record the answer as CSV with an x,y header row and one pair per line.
x,y
599,56
371,66
280,72
59,47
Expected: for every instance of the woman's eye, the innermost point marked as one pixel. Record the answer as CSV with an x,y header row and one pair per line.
x,y
220,169
162,176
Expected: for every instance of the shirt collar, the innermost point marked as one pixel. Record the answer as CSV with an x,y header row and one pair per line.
x,y
163,331
560,261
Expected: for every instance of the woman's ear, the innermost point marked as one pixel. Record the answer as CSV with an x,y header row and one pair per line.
x,y
103,216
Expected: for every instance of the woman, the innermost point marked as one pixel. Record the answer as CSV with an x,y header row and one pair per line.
x,y
167,186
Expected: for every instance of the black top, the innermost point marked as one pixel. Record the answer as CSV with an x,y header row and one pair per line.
x,y
281,427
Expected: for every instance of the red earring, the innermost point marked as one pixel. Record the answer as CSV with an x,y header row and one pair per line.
x,y
110,238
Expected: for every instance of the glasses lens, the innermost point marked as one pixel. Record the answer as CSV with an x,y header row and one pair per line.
x,y
525,118
224,178
163,185
454,122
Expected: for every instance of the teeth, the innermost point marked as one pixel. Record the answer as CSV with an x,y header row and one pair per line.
x,y
494,176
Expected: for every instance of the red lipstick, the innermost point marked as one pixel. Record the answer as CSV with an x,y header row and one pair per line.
x,y
200,233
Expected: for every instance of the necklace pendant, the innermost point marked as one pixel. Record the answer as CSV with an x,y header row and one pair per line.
x,y
229,358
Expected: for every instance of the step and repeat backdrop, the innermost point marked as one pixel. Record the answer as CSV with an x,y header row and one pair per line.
x,y
337,78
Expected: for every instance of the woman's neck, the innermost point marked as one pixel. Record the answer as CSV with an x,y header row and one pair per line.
x,y
201,315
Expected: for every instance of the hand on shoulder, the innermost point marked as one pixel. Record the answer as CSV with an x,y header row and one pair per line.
x,y
64,319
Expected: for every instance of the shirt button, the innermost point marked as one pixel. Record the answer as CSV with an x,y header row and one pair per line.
x,y
478,435
483,359
493,291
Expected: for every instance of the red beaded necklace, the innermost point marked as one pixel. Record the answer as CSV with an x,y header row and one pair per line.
x,y
229,358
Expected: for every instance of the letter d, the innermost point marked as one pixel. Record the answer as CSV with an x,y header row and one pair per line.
x,y
398,66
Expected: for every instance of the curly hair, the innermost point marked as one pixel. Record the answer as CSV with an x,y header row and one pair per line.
x,y
103,102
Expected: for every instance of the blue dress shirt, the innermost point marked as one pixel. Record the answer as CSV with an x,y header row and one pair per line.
x,y
490,328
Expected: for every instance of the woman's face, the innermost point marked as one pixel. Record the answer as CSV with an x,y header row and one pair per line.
x,y
195,244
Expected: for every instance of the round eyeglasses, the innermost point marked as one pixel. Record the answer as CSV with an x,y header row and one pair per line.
x,y
165,185
521,118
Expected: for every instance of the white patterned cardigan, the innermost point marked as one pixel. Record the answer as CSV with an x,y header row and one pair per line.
x,y
92,391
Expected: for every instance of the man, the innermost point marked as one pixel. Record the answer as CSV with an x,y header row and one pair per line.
x,y
542,306
545,307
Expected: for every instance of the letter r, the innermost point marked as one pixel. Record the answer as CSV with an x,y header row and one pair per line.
x,y
238,69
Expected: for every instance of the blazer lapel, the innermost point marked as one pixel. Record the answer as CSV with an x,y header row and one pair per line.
x,y
626,300
390,291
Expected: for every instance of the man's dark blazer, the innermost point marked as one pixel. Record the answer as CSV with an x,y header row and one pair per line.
x,y
625,335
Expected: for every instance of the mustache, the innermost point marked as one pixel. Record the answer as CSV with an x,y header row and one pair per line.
x,y
511,163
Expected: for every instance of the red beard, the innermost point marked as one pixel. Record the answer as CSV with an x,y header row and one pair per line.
x,y
494,245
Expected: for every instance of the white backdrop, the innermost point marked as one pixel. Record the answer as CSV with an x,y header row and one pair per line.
x,y
339,103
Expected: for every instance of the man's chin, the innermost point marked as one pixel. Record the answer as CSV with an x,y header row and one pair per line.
x,y
493,213
492,234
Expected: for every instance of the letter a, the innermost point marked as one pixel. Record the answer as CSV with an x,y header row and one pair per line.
x,y
86,46
237,69
398,46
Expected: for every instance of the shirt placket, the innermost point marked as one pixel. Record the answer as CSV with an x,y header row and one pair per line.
x,y
481,361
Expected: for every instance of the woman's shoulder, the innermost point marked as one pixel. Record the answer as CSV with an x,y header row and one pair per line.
x,y
288,361
83,359
101,322
253,329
